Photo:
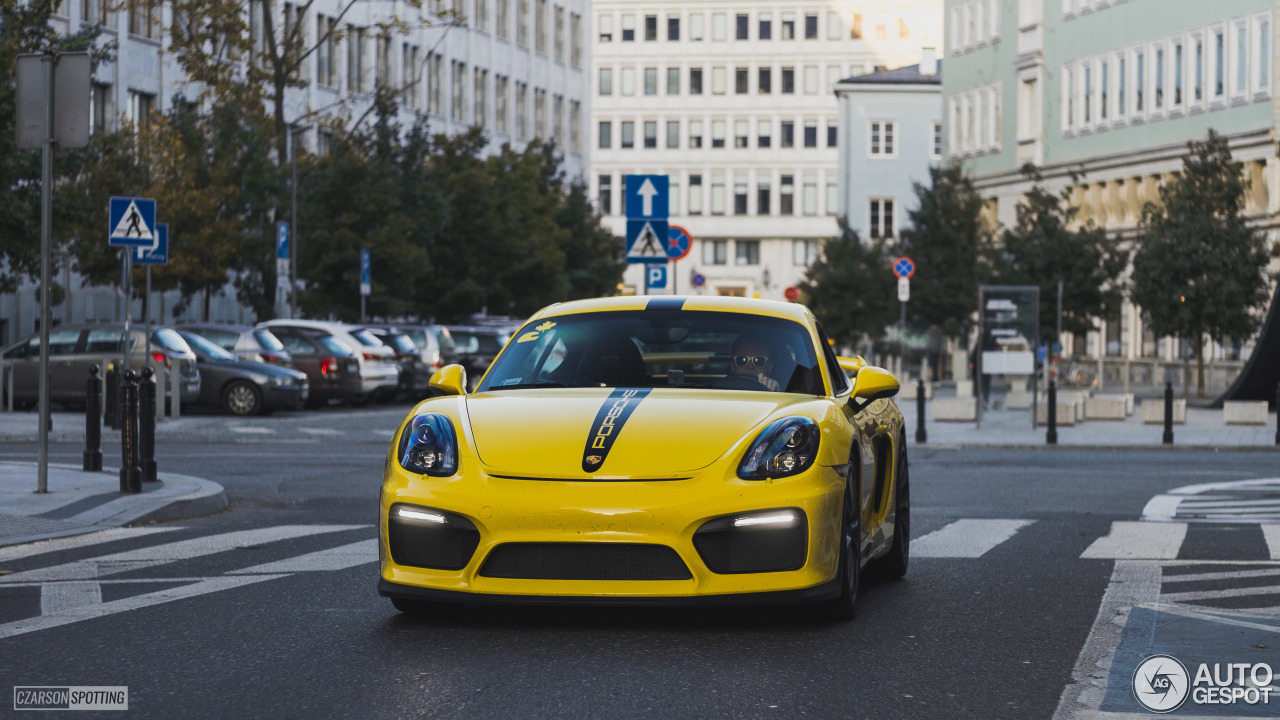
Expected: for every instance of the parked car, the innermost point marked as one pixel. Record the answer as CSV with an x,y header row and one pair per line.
x,y
243,387
415,371
477,346
379,374
73,348
243,341
331,366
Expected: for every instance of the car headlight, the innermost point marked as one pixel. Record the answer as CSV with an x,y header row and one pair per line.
x,y
280,381
785,447
429,446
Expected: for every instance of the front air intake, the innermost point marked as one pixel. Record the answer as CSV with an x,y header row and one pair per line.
x,y
584,561
745,544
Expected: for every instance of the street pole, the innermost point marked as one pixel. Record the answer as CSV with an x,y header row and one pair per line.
x,y
146,317
902,338
293,223
1058,338
128,304
46,261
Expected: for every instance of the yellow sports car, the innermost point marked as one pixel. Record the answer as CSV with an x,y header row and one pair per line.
x,y
650,450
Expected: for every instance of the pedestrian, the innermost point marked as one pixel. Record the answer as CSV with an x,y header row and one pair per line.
x,y
933,346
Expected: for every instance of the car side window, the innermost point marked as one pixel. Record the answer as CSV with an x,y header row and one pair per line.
x,y
62,342
104,341
222,338
294,344
839,382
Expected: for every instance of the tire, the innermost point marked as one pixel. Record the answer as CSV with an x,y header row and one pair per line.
x,y
242,398
841,608
894,564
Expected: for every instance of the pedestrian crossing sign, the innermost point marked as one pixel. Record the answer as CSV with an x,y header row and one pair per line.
x,y
131,222
647,241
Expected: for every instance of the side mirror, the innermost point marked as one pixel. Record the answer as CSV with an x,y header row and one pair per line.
x,y
852,365
873,383
449,380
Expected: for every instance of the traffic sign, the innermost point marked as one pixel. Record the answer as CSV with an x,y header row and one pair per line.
x,y
159,253
792,293
131,222
282,240
904,289
904,267
647,197
366,282
644,243
656,277
679,243
699,279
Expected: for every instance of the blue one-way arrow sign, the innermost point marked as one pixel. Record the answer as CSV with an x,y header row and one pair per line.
x,y
647,197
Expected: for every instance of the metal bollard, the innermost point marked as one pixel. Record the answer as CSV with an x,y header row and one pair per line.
x,y
1168,413
1277,414
922,435
111,406
175,391
93,421
1051,435
147,425
130,472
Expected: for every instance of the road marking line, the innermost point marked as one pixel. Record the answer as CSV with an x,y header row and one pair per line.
x,y
251,430
967,538
171,552
339,558
1226,593
1239,575
1271,533
57,598
383,432
1138,541
1185,611
319,431
15,552
88,612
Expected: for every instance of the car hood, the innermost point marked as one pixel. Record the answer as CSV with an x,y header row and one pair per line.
x,y
250,367
569,433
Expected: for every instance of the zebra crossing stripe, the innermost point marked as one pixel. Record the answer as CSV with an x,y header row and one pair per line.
x,y
1219,594
58,598
1138,541
1211,576
968,538
1272,534
16,552
339,558
171,552
319,431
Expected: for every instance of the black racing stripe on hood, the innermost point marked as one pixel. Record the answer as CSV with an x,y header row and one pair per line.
x,y
613,414
665,303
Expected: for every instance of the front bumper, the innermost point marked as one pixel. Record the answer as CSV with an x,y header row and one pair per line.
x,y
285,397
665,512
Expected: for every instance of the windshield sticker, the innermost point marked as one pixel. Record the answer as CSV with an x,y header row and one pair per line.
x,y
531,335
613,414
510,381
546,326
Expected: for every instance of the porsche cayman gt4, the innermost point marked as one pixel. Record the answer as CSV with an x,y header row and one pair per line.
x,y
650,450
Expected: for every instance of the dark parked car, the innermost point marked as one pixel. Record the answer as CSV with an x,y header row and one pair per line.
x,y
243,341
243,387
477,346
415,371
330,365
73,348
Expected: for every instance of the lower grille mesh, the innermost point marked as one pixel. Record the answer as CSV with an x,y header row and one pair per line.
x,y
584,561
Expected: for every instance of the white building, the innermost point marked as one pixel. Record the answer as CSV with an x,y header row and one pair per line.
x,y
890,134
733,100
516,67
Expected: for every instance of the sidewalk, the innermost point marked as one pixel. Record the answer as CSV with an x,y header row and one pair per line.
x,y
1204,429
80,502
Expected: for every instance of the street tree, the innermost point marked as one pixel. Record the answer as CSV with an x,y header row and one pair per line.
x,y
850,289
1200,270
944,236
1042,248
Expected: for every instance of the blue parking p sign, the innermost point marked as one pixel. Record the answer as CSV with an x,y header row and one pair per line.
x,y
158,255
656,277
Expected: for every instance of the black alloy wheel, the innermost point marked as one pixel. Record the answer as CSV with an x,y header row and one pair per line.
x,y
894,563
242,398
841,607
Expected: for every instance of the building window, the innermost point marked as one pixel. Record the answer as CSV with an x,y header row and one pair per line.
x,y
575,126
717,136
140,106
741,133
883,133
855,27
695,198
696,27
575,40
651,81
628,77
356,59
695,134
540,27
605,135
1178,69
1159,78
811,79
540,113
764,133
628,134
1262,70
718,80
739,194
1069,97
673,133
764,29
810,26
1139,81
788,26
459,107
144,18
695,81
743,24
881,218
788,134
482,92
786,195
1199,56
833,200
522,110
762,197
326,54
717,193
99,108
673,28
605,197
719,27
503,17
651,28
650,135
1219,64
522,23
741,80
835,26
804,252
788,81
747,251
500,85
606,81
833,134
628,27
714,252
764,78
1241,59
673,81
1122,79
605,25
1088,92
935,151
811,133
810,194
1103,78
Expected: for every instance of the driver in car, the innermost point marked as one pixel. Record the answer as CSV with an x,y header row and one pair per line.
x,y
754,358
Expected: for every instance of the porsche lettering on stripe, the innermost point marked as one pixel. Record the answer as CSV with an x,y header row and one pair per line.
x,y
608,423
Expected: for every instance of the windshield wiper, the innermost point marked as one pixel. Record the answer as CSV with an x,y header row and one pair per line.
x,y
525,386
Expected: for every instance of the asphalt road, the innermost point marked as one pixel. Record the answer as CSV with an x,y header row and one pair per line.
x,y
994,636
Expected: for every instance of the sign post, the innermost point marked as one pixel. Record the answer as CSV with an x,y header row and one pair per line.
x,y
904,268
646,205
282,266
51,109
679,243
131,223
157,254
366,283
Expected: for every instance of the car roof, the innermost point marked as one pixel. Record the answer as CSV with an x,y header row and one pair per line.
x,y
215,326
711,303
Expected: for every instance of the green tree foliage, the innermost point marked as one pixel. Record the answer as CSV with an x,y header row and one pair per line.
x,y
1200,270
944,237
851,290
1041,249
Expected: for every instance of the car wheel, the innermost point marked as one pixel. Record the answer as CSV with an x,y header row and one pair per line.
x,y
242,398
894,564
841,607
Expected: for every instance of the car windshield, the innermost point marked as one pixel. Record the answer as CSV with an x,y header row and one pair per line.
x,y
476,342
333,345
267,340
647,348
445,338
401,343
171,341
366,338
204,349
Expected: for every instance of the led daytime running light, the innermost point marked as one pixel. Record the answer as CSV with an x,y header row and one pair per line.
x,y
786,518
